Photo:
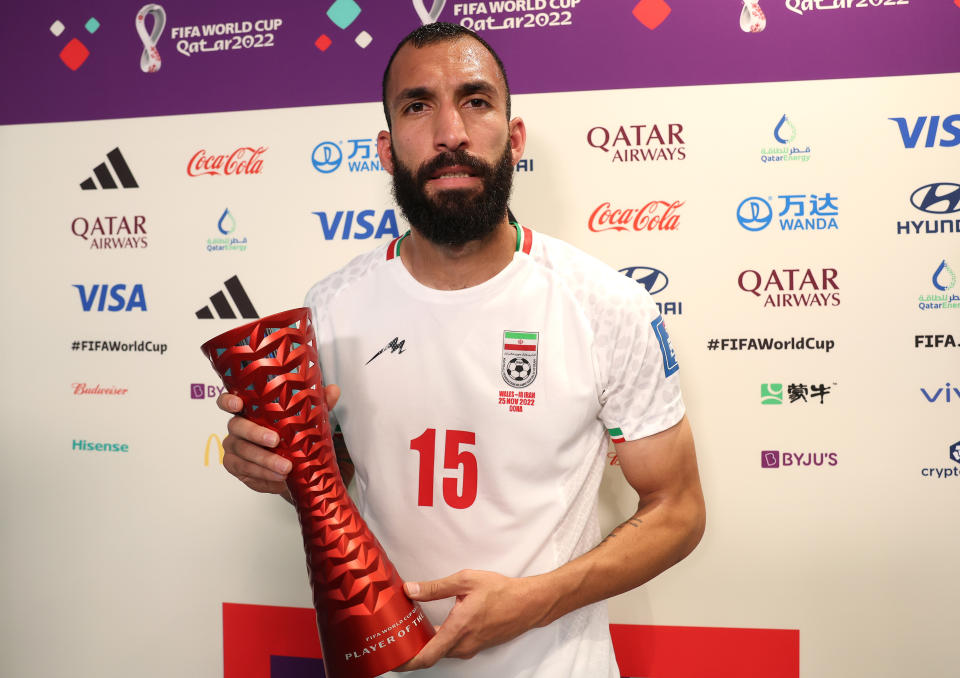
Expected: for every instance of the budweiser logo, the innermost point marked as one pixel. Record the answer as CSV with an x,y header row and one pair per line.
x,y
244,160
656,215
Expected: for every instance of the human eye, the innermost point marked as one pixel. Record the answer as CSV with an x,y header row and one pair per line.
x,y
415,107
477,102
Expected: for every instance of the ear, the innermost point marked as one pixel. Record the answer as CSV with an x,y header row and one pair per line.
x,y
383,150
518,139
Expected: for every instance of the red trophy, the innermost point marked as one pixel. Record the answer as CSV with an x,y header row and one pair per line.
x,y
367,624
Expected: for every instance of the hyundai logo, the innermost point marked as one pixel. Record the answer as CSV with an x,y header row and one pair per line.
x,y
941,198
326,157
652,280
754,214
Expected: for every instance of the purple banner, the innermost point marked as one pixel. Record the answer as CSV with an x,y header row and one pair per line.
x,y
96,59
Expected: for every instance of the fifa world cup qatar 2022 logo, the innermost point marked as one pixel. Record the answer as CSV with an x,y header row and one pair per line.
x,y
150,57
367,624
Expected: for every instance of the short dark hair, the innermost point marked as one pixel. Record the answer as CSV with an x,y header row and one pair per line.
x,y
439,32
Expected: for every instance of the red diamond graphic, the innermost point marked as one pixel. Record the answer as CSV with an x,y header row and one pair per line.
x,y
651,13
74,54
323,42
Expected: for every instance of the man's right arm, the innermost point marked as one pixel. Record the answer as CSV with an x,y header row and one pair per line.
x,y
247,451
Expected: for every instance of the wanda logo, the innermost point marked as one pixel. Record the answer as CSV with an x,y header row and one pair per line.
x,y
656,215
244,160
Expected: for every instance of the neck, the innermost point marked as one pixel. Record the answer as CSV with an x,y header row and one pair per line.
x,y
443,267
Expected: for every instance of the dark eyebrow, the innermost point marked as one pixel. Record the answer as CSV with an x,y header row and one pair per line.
x,y
467,88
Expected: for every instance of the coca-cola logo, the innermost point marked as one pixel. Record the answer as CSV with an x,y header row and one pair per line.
x,y
244,160
656,215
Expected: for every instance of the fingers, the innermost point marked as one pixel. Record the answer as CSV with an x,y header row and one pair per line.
x,y
245,457
332,393
447,587
229,403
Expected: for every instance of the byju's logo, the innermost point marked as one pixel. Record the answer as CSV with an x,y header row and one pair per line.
x,y
654,281
222,306
359,225
794,287
940,198
754,214
943,394
778,459
912,131
104,297
201,391
800,212
74,52
111,233
120,168
361,156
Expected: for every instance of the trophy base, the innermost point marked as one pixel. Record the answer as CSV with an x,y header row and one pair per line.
x,y
368,646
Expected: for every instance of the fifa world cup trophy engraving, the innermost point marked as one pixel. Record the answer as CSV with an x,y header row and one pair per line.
x,y
367,624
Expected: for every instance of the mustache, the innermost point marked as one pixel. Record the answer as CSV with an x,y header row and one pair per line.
x,y
451,159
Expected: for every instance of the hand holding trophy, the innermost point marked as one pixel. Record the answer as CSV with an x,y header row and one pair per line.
x,y
367,624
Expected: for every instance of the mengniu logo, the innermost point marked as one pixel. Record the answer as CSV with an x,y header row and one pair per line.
x,y
943,132
222,307
656,215
944,281
105,178
800,212
111,232
939,199
773,393
74,53
639,143
778,459
792,287
944,394
213,439
244,160
117,297
654,281
358,224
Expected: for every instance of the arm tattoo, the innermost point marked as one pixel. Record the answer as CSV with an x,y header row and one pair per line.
x,y
633,522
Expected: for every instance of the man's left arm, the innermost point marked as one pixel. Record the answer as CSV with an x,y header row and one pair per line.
x,y
491,609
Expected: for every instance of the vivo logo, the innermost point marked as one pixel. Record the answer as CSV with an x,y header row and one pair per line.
x,y
96,298
947,391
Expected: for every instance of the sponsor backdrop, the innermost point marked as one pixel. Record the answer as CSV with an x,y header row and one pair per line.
x,y
783,179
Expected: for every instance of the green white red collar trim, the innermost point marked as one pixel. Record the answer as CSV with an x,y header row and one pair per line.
x,y
524,241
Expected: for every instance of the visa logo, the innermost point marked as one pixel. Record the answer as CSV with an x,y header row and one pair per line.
x,y
96,297
358,225
911,132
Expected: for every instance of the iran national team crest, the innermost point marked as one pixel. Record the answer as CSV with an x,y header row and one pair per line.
x,y
519,363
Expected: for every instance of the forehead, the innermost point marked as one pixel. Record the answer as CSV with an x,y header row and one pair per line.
x,y
448,62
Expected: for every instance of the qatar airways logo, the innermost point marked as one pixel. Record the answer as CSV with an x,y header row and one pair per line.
x,y
244,160
656,215
792,287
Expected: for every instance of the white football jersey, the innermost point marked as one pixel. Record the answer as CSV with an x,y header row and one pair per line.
x,y
479,421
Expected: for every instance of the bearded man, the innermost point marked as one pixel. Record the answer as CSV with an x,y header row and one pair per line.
x,y
484,369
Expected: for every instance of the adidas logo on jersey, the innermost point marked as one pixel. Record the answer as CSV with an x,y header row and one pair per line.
x,y
222,306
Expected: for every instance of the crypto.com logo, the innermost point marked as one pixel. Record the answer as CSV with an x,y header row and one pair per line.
x,y
754,214
940,198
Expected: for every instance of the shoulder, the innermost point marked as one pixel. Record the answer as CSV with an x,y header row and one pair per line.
x,y
336,283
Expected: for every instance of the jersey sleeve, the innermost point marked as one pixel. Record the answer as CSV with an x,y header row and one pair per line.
x,y
639,386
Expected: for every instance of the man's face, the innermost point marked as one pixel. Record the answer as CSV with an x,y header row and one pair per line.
x,y
451,150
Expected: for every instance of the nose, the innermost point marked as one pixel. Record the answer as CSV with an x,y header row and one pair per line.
x,y
450,132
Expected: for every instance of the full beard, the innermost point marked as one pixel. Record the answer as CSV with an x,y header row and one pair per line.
x,y
454,217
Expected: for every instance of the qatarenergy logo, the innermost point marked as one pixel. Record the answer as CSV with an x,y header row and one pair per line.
x,y
115,345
